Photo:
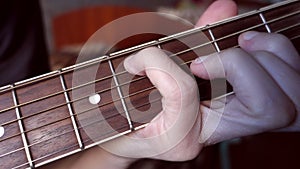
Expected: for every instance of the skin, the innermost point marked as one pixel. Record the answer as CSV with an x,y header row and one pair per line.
x,y
265,100
264,76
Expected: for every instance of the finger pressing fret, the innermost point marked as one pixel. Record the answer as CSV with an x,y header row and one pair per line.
x,y
44,112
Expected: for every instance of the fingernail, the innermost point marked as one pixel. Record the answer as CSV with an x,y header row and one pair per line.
x,y
249,35
200,59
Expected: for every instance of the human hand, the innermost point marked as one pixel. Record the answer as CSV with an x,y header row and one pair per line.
x,y
243,115
177,89
171,86
283,65
265,78
186,149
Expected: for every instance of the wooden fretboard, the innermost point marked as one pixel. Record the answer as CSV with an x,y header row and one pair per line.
x,y
47,117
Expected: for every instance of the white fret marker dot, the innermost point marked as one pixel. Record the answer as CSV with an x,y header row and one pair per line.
x,y
1,131
95,99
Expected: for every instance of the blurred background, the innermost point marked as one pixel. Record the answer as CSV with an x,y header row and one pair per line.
x,y
69,23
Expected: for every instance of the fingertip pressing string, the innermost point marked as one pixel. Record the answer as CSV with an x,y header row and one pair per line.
x,y
222,38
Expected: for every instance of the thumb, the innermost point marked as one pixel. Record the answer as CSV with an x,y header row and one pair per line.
x,y
180,104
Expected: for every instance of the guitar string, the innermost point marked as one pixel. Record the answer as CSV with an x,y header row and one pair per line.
x,y
71,101
66,148
104,78
86,141
82,112
72,132
126,125
210,42
292,37
109,102
63,149
292,26
117,86
81,127
47,124
100,137
100,106
164,39
63,119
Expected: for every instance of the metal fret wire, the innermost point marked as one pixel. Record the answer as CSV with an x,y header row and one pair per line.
x,y
262,17
77,114
77,150
165,39
126,125
81,127
21,128
214,40
156,100
292,26
115,78
184,51
70,109
139,78
71,131
181,52
66,148
88,124
74,100
159,42
85,111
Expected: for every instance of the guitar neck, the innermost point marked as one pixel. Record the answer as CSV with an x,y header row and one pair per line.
x,y
52,116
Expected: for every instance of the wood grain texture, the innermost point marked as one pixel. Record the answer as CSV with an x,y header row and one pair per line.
x,y
50,132
14,154
46,130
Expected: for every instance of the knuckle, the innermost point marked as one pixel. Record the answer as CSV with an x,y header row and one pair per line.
x,y
278,112
235,54
278,41
233,58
